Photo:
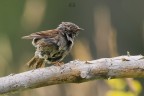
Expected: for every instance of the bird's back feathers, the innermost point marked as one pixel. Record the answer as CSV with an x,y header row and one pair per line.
x,y
42,34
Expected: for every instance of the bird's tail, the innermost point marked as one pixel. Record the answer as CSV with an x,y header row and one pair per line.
x,y
36,62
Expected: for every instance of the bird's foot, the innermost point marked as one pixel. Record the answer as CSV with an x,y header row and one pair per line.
x,y
58,63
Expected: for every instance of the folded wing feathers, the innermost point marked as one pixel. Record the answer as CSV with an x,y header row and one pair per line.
x,y
48,33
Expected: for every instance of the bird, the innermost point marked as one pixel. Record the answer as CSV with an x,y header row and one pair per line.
x,y
52,46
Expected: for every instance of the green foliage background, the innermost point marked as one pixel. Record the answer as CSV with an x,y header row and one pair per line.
x,y
124,18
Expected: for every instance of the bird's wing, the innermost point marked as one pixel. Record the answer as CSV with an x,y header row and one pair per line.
x,y
42,34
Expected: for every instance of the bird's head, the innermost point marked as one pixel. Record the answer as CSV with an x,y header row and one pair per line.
x,y
69,28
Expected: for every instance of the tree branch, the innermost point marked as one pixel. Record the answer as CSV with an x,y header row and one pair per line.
x,y
75,72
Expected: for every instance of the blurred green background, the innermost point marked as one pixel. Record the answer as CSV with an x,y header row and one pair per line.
x,y
112,27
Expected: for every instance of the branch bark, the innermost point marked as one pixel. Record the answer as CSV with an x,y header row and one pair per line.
x,y
75,72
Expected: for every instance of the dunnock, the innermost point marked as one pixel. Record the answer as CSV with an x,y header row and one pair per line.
x,y
53,45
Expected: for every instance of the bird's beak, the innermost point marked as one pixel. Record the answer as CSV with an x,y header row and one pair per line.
x,y
80,29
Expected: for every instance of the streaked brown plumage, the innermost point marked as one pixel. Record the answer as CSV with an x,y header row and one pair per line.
x,y
52,45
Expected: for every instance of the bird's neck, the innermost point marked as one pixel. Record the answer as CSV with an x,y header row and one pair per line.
x,y
68,36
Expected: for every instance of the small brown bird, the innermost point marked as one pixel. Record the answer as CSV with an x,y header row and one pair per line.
x,y
52,45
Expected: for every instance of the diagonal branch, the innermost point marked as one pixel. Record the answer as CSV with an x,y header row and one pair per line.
x,y
75,72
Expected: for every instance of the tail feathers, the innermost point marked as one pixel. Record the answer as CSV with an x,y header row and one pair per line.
x,y
36,62
39,63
